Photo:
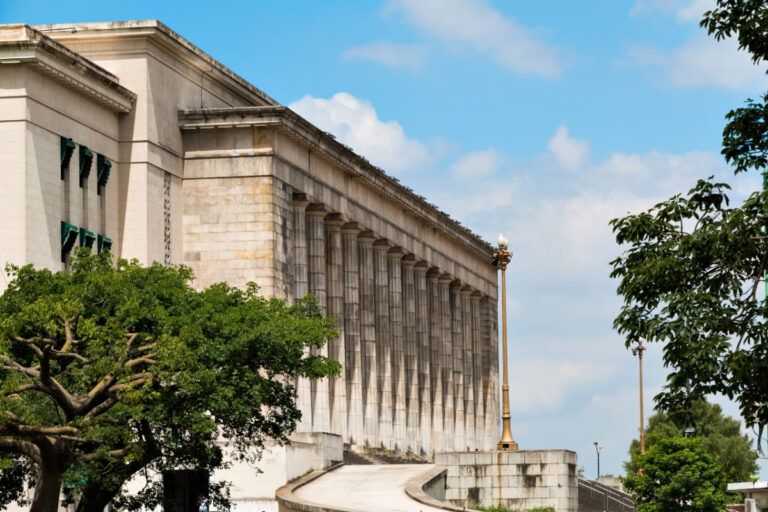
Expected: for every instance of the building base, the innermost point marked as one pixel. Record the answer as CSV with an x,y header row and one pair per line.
x,y
518,480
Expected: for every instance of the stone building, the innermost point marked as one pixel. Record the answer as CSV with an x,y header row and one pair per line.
x,y
125,136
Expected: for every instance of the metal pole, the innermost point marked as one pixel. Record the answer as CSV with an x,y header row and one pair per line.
x,y
502,258
597,450
640,350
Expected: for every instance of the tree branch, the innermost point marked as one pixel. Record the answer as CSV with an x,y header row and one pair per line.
x,y
21,448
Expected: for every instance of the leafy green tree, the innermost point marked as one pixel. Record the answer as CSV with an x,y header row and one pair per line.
x,y
693,269
107,369
720,436
678,474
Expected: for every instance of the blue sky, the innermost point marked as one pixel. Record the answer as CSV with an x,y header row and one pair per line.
x,y
540,119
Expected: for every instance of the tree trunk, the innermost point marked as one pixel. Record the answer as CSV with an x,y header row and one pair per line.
x,y
47,487
95,499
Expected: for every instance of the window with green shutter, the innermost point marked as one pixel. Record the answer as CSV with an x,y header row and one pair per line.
x,y
103,168
67,148
104,243
87,238
86,159
69,233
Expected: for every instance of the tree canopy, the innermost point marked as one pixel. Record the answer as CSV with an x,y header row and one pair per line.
x,y
693,269
719,435
678,474
108,369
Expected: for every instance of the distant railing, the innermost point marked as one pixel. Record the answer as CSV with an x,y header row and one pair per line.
x,y
596,497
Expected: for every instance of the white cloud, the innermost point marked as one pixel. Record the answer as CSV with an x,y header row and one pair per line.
x,y
569,152
355,122
390,54
480,164
702,62
476,24
550,393
683,10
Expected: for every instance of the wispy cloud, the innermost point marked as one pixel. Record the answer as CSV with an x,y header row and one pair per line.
x,y
477,25
399,56
683,10
569,152
355,122
479,164
702,62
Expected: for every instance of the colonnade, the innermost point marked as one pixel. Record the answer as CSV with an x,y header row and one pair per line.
x,y
418,347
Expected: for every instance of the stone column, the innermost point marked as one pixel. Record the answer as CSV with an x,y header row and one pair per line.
x,y
444,285
395,255
368,339
352,338
383,343
321,416
485,334
477,361
301,289
492,404
457,318
424,353
435,360
410,351
334,263
469,370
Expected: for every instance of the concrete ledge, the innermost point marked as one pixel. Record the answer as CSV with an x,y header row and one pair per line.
x,y
415,490
289,502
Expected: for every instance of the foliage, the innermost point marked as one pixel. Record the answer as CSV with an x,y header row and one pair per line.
x,y
690,278
720,436
107,369
677,474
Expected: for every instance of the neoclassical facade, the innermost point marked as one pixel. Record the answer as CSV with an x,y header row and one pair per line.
x,y
126,136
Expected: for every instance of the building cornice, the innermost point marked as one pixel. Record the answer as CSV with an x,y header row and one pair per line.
x,y
22,44
301,130
165,37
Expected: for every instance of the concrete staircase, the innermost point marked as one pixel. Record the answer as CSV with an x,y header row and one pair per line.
x,y
596,497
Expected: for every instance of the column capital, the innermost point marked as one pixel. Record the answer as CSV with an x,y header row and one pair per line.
x,y
445,278
476,296
466,290
300,200
366,236
382,244
409,260
422,266
334,220
433,273
456,285
396,252
351,228
316,210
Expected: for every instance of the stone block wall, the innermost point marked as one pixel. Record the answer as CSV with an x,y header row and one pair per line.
x,y
518,480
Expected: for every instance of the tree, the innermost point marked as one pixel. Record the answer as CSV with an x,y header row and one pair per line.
x,y
109,369
692,273
678,474
719,435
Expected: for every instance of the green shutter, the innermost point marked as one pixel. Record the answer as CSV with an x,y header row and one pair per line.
x,y
87,238
103,168
104,243
69,234
86,159
67,148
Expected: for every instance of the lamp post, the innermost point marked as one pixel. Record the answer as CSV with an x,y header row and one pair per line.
x,y
638,351
597,450
501,258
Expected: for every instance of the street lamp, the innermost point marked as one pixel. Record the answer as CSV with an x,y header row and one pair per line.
x,y
597,450
638,351
500,259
